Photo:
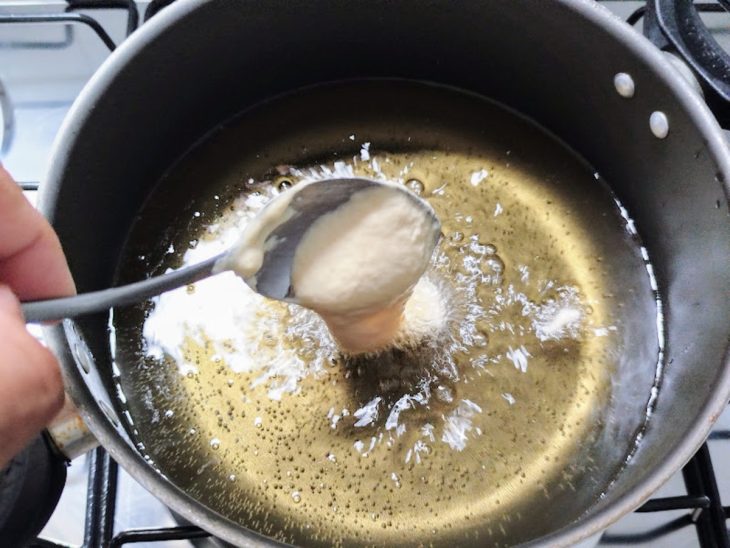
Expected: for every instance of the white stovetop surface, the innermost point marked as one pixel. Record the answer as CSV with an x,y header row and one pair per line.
x,y
42,84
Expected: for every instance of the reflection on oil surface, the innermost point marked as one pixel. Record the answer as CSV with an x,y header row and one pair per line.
x,y
492,406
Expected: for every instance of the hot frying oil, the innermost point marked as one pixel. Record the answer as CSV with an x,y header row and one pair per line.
x,y
485,411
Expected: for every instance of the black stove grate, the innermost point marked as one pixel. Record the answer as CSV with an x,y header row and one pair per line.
x,y
705,509
70,16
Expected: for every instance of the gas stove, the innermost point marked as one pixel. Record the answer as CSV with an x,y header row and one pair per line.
x,y
50,48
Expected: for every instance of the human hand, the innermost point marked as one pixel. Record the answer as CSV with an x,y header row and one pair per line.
x,y
32,266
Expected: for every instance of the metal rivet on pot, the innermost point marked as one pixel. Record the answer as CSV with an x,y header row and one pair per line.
x,y
109,413
83,357
659,124
624,85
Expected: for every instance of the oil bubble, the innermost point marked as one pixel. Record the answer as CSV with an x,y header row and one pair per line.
x,y
456,238
493,265
444,394
479,340
492,268
415,185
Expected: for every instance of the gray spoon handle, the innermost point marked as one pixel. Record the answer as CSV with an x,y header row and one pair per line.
x,y
97,301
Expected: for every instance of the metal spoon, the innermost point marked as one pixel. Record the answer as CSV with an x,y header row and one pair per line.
x,y
272,279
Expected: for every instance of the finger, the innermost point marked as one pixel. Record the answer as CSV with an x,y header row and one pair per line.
x,y
9,302
31,259
26,368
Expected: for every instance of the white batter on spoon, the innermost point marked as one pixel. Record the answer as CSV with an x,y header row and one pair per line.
x,y
356,266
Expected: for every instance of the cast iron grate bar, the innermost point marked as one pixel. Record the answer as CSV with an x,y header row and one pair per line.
x,y
128,5
708,515
100,500
154,7
57,18
69,17
700,479
687,502
188,532
634,17
652,534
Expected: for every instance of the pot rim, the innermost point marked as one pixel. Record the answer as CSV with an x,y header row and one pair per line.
x,y
211,521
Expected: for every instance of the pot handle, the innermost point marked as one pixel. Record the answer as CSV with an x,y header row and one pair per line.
x,y
69,434
675,25
30,486
32,483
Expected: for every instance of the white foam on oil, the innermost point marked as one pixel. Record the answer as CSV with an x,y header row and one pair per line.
x,y
368,413
247,331
458,425
218,305
559,318
478,176
519,357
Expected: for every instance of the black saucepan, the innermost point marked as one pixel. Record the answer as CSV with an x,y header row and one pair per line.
x,y
198,63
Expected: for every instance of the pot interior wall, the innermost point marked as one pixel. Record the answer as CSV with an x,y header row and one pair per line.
x,y
557,69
